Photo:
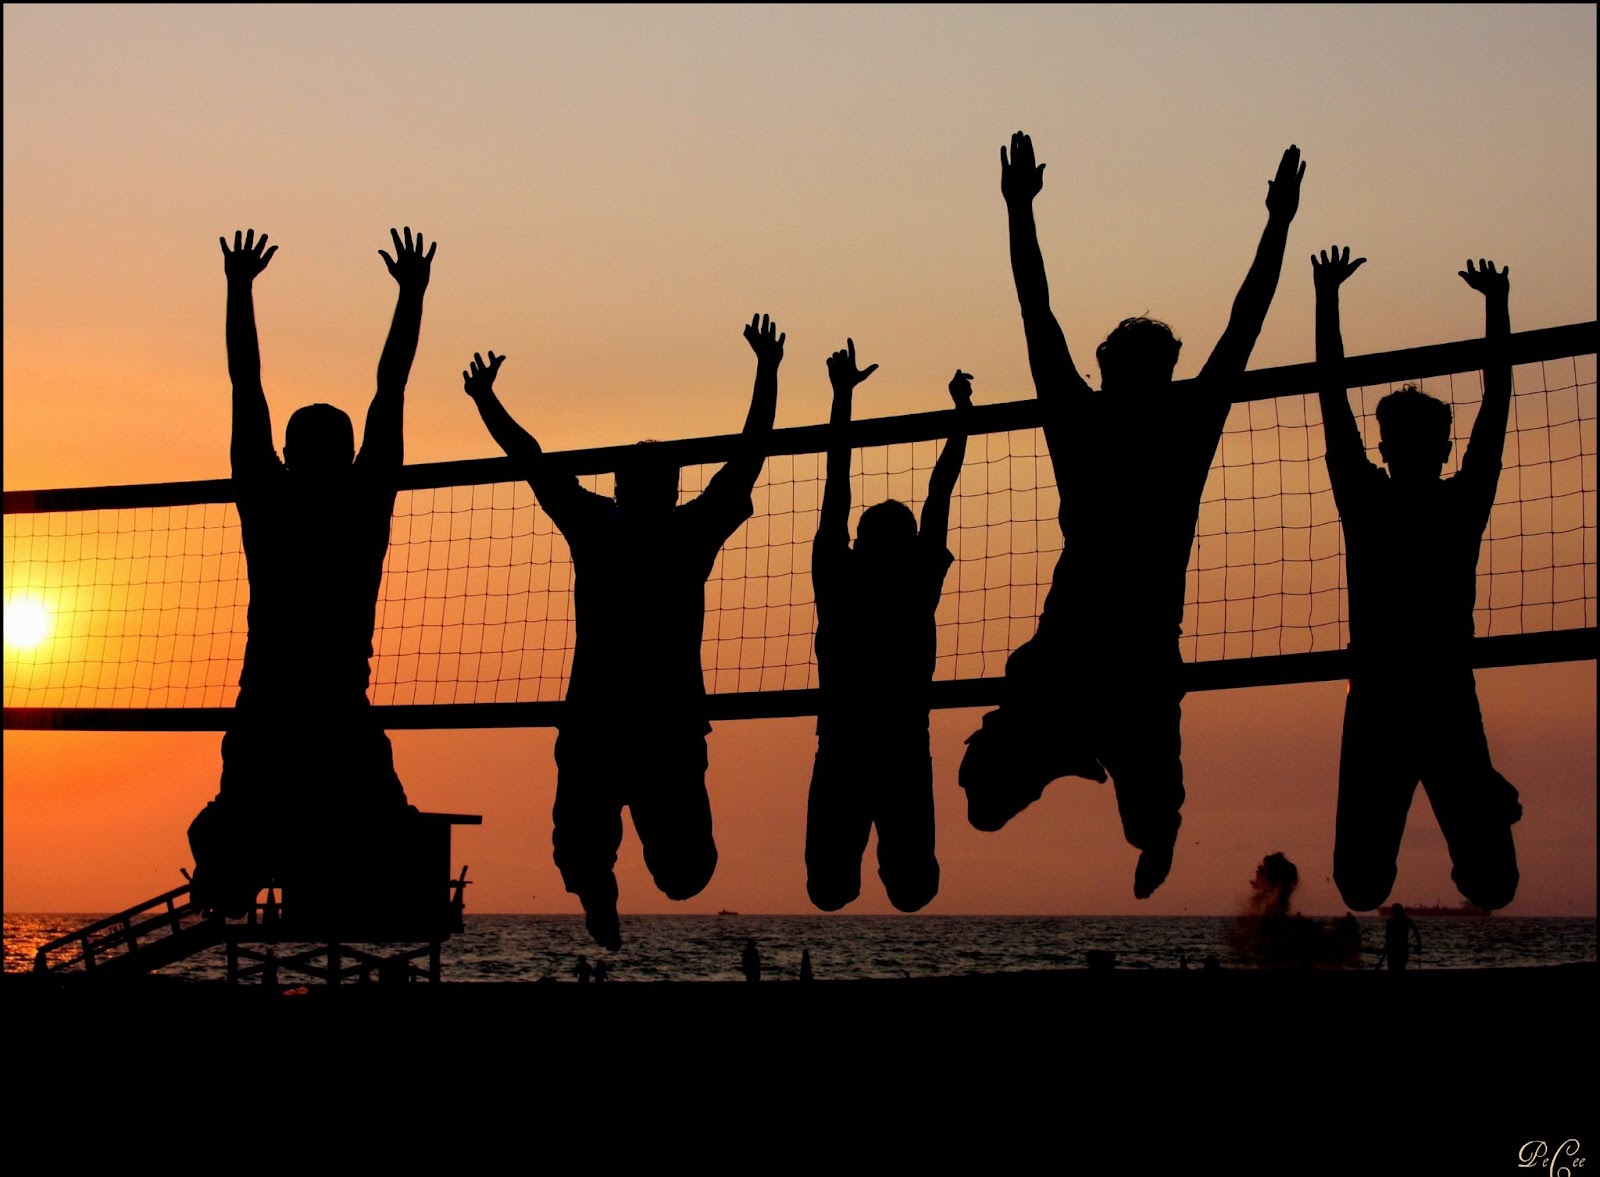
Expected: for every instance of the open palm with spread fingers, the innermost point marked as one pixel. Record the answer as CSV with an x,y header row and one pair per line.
x,y
478,379
409,266
1334,267
248,257
1487,280
764,339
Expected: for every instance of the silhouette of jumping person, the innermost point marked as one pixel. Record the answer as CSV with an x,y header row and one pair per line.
x,y
1097,689
1412,540
634,729
876,646
307,773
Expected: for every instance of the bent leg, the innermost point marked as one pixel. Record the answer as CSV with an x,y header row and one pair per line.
x,y
1144,751
1035,736
357,836
1475,806
230,863
238,839
672,813
838,821
903,813
587,831
1377,777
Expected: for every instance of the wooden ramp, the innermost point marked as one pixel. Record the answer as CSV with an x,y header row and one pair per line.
x,y
387,928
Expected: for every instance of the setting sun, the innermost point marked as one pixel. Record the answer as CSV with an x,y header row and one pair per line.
x,y
27,623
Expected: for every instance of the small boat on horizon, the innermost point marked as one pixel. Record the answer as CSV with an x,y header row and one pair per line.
x,y
725,911
1462,908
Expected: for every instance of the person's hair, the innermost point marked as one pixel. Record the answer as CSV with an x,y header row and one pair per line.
x,y
319,437
1138,351
1409,415
885,526
646,477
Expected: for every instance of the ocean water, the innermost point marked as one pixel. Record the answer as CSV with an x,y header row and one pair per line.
x,y
846,947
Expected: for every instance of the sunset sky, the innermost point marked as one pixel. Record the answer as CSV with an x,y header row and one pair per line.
x,y
615,190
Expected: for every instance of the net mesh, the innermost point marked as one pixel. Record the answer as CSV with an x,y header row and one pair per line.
x,y
141,608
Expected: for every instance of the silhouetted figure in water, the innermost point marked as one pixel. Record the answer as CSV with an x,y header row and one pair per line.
x,y
583,970
1400,934
1097,689
750,961
634,729
308,775
1272,932
876,646
1413,539
805,964
1347,937
602,971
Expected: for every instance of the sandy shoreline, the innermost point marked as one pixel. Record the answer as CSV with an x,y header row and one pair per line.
x,y
1427,1003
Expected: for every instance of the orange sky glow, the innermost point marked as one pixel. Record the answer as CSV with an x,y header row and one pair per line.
x,y
615,190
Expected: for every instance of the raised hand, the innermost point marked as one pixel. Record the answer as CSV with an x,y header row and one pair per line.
x,y
478,380
961,389
1283,190
842,373
245,260
764,339
1330,273
410,266
1486,280
1020,177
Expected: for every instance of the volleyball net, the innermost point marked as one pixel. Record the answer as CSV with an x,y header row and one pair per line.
x,y
125,607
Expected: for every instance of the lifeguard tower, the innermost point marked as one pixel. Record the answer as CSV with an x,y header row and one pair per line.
x,y
333,928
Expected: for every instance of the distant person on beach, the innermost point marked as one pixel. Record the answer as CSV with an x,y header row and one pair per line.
x,y
308,777
1097,689
583,970
1400,934
750,961
1413,539
875,647
602,971
1347,938
805,964
633,732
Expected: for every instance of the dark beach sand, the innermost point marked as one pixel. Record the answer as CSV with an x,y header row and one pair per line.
x,y
1159,1067
1246,1005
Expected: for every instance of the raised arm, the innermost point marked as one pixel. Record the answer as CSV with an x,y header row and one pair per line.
x,y
833,522
942,482
742,470
477,381
1346,453
383,441
250,449
558,491
1232,353
1054,375
1481,463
